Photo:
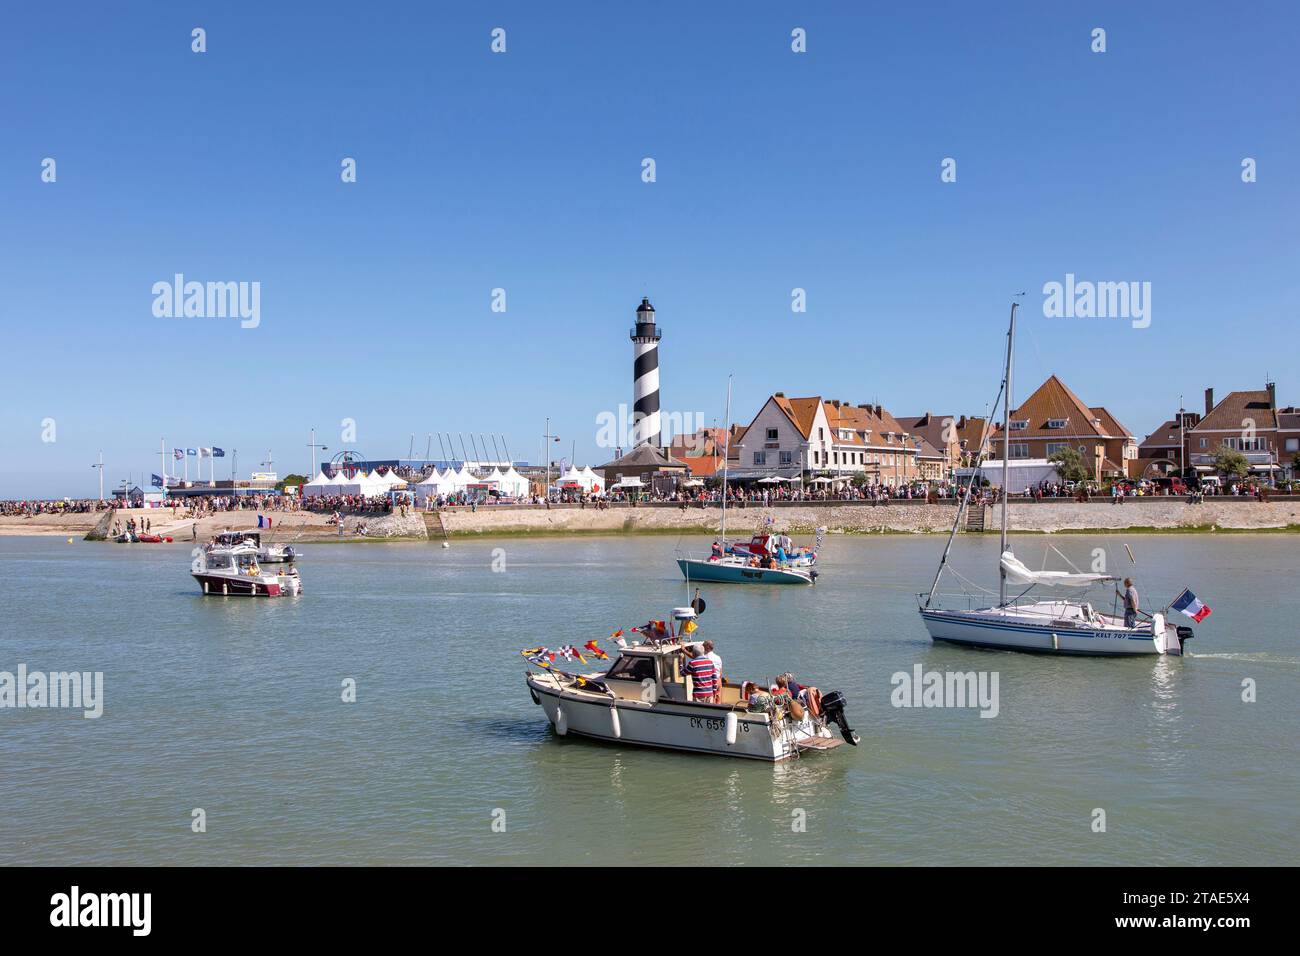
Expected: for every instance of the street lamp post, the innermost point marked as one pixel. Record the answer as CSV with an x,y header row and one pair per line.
x,y
548,438
100,466
313,446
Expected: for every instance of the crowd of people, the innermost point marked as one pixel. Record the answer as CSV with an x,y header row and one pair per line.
x,y
62,506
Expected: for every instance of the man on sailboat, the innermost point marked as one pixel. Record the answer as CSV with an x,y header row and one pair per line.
x,y
1130,596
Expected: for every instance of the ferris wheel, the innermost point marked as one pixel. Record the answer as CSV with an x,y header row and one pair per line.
x,y
347,463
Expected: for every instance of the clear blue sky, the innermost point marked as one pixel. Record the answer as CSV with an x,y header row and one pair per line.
x,y
522,171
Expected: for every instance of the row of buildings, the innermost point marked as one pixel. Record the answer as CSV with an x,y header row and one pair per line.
x,y
802,439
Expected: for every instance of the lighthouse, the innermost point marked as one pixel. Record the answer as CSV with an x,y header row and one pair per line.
x,y
645,377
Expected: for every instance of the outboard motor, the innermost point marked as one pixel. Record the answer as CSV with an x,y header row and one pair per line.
x,y
1185,634
833,707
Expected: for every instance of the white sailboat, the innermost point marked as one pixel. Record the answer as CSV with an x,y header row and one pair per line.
x,y
723,567
1063,626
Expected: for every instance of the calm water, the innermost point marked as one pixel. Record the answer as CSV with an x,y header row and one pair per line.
x,y
234,706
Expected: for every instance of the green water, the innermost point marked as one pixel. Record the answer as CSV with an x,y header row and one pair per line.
x,y
233,706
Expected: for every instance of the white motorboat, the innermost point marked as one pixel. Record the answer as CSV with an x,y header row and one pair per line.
x,y
235,571
267,553
1051,626
645,698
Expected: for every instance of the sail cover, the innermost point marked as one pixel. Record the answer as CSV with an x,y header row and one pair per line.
x,y
1016,571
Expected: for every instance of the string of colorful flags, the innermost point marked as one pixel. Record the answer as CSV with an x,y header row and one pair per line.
x,y
653,630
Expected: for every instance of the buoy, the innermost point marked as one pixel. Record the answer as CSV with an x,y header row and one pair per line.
x,y
731,728
69,541
614,725
446,544
561,721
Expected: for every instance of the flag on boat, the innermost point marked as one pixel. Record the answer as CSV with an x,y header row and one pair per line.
x,y
541,656
595,650
178,453
689,627
1192,606
570,652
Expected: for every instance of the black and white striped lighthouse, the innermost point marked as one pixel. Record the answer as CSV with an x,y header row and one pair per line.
x,y
645,377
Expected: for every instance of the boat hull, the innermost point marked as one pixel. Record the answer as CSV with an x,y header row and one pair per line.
x,y
221,585
725,573
970,630
675,726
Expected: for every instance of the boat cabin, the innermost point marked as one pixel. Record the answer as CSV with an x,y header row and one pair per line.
x,y
237,560
653,672
229,539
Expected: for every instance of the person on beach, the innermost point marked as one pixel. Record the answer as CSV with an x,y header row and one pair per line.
x,y
1131,605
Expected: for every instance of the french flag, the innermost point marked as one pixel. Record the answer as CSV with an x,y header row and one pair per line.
x,y
1192,606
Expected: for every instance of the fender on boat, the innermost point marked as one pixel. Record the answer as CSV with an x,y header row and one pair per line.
x,y
731,724
561,720
615,727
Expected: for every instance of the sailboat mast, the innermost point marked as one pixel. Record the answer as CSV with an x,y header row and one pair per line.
x,y
726,428
1006,452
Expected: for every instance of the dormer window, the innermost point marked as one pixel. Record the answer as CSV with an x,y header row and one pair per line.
x,y
1020,425
1057,422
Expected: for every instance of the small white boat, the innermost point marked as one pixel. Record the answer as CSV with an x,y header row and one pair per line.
x,y
646,699
1050,627
235,571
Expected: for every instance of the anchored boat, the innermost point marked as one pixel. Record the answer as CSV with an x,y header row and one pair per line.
x,y
1052,626
235,571
647,698
741,564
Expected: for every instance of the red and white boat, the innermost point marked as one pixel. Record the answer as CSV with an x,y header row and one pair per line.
x,y
235,571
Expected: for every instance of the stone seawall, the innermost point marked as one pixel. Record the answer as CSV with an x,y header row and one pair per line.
x,y
1167,514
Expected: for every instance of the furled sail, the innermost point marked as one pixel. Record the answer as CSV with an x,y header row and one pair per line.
x,y
1016,572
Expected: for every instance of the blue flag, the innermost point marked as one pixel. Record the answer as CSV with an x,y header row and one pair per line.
x,y
218,453
191,452
157,481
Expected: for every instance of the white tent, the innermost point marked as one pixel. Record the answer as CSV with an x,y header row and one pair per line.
x,y
317,486
584,479
1024,473
595,479
513,484
463,478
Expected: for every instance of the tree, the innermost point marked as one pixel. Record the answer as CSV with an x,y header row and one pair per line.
x,y
1231,462
298,480
1069,465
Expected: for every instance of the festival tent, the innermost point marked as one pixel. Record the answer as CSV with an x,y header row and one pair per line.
x,y
463,478
317,486
594,478
513,484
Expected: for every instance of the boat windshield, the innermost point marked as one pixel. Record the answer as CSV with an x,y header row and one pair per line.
x,y
632,668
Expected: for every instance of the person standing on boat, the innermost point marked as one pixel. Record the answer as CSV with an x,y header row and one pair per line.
x,y
717,663
1131,606
704,677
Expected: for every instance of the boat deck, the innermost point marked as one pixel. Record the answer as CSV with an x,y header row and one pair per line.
x,y
819,743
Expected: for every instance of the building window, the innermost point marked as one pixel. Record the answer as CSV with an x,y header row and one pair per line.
x,y
786,457
771,434
1057,422
1020,425
1054,446
1293,444
1019,450
760,459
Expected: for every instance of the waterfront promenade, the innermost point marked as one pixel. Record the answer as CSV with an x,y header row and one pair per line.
x,y
1145,514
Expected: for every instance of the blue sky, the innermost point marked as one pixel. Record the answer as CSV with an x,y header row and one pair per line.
x,y
522,170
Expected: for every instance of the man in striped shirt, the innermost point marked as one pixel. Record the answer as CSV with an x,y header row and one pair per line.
x,y
703,674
